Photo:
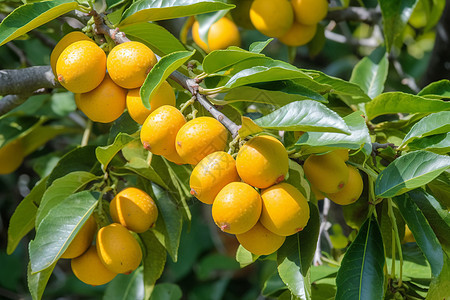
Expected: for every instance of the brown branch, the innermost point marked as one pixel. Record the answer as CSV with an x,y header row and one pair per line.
x,y
26,81
369,16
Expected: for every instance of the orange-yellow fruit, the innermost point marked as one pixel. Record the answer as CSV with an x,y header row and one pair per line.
x,y
89,269
285,210
351,191
82,240
272,17
134,209
317,194
200,137
342,153
298,35
81,67
175,158
260,241
409,237
103,104
68,39
221,35
262,161
11,156
309,12
236,208
211,174
117,249
129,63
327,172
160,129
164,96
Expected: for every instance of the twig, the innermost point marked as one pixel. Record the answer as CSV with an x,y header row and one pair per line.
x,y
407,80
20,54
27,80
339,38
369,16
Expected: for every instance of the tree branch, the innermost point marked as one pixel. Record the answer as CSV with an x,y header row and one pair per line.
x,y
369,16
26,81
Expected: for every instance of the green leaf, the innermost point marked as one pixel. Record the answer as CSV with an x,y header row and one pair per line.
x,y
124,287
59,228
258,47
163,68
422,232
439,143
290,89
440,187
361,273
397,102
40,135
439,286
395,16
155,10
222,59
160,40
432,124
307,115
245,257
61,189
32,15
124,124
23,218
38,281
154,261
15,128
248,127
370,73
273,285
215,262
296,177
106,154
205,22
439,89
166,291
410,171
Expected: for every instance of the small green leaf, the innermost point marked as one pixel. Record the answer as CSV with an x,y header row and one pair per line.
x,y
422,232
124,287
166,291
163,68
248,127
258,47
154,261
29,16
439,89
439,143
432,124
245,257
304,115
105,154
273,285
410,171
59,228
361,273
38,281
297,178
397,102
222,59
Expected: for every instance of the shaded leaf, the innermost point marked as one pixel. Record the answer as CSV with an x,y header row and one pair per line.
x,y
124,287
248,127
154,261
432,124
273,285
222,59
38,281
439,89
439,143
166,291
106,154
258,47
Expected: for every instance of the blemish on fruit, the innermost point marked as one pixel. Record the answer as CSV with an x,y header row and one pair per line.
x,y
225,227
147,146
193,192
280,179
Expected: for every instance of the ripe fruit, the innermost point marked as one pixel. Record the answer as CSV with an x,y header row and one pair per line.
x,y
164,96
200,137
262,161
211,174
285,210
272,17
129,63
160,129
298,35
343,153
327,172
351,191
134,209
82,240
317,194
175,158
117,249
81,67
260,241
89,269
103,104
11,156
221,35
310,12
236,208
409,237
68,39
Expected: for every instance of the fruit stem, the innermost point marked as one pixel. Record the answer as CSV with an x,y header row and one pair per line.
x,y
186,104
87,133
397,239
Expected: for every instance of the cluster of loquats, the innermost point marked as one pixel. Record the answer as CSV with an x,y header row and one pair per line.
x,y
116,250
293,22
248,196
104,85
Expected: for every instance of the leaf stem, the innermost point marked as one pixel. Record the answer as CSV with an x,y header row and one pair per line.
x,y
87,133
397,239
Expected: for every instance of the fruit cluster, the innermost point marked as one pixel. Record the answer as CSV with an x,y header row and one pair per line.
x,y
115,250
293,22
105,85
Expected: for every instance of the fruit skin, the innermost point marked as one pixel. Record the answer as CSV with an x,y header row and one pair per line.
x,y
117,249
351,191
221,35
298,35
103,104
160,129
175,158
211,174
318,194
200,137
89,268
260,241
285,210
309,12
236,208
82,240
343,153
134,209
327,172
262,161
129,63
81,67
68,39
138,112
272,17
11,156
